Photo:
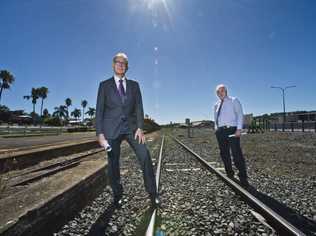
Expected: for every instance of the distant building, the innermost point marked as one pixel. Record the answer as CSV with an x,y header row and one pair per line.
x,y
74,121
295,117
301,116
15,117
197,124
22,119
248,118
203,124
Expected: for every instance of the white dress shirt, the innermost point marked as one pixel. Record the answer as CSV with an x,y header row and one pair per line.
x,y
231,113
117,81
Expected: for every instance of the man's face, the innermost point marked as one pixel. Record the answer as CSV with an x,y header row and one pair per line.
x,y
221,92
119,66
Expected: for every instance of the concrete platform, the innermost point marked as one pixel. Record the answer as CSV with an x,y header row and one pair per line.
x,y
9,145
46,204
21,159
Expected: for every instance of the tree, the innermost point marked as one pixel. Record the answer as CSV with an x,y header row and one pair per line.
x,y
34,96
5,114
45,113
6,79
4,108
60,111
42,93
76,113
68,103
84,103
91,112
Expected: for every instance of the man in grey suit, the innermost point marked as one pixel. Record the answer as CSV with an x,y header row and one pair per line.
x,y
120,116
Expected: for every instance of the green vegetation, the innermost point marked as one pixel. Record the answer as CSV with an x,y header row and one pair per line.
x,y
6,79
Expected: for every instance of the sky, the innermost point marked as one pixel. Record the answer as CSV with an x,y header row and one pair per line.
x,y
178,51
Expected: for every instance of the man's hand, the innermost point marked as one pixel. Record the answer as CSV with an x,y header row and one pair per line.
x,y
238,133
141,137
102,141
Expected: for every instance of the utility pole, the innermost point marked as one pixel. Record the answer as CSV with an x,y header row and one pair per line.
x,y
283,96
188,123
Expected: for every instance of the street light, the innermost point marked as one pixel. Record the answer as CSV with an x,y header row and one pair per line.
x,y
283,95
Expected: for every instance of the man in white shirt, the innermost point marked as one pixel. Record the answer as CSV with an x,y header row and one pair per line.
x,y
228,116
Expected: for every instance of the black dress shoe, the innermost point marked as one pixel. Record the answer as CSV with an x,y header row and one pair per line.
x,y
244,183
155,202
117,200
230,176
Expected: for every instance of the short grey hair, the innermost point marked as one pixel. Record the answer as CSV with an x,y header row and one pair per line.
x,y
220,86
121,55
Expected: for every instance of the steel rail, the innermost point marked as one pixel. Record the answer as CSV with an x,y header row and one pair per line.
x,y
274,219
151,226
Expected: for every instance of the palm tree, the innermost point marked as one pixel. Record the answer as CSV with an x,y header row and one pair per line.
x,y
76,113
46,113
34,96
84,103
68,103
60,111
4,108
6,79
42,93
91,112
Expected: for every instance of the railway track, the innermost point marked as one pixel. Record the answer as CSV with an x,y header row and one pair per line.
x,y
46,187
101,217
280,167
282,226
151,226
196,198
194,201
262,211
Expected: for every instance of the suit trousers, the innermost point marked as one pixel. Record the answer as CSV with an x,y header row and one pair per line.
x,y
226,144
144,160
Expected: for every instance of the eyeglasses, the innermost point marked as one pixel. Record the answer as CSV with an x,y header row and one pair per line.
x,y
120,63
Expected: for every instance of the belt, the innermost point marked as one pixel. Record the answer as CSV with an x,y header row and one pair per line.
x,y
226,127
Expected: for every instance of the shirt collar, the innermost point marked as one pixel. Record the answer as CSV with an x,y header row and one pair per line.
x,y
225,99
117,79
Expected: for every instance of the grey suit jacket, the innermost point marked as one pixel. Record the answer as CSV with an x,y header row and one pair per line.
x,y
109,108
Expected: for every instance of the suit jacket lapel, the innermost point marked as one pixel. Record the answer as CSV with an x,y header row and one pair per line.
x,y
128,89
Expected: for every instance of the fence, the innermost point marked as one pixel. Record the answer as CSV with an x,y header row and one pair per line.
x,y
11,131
258,126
